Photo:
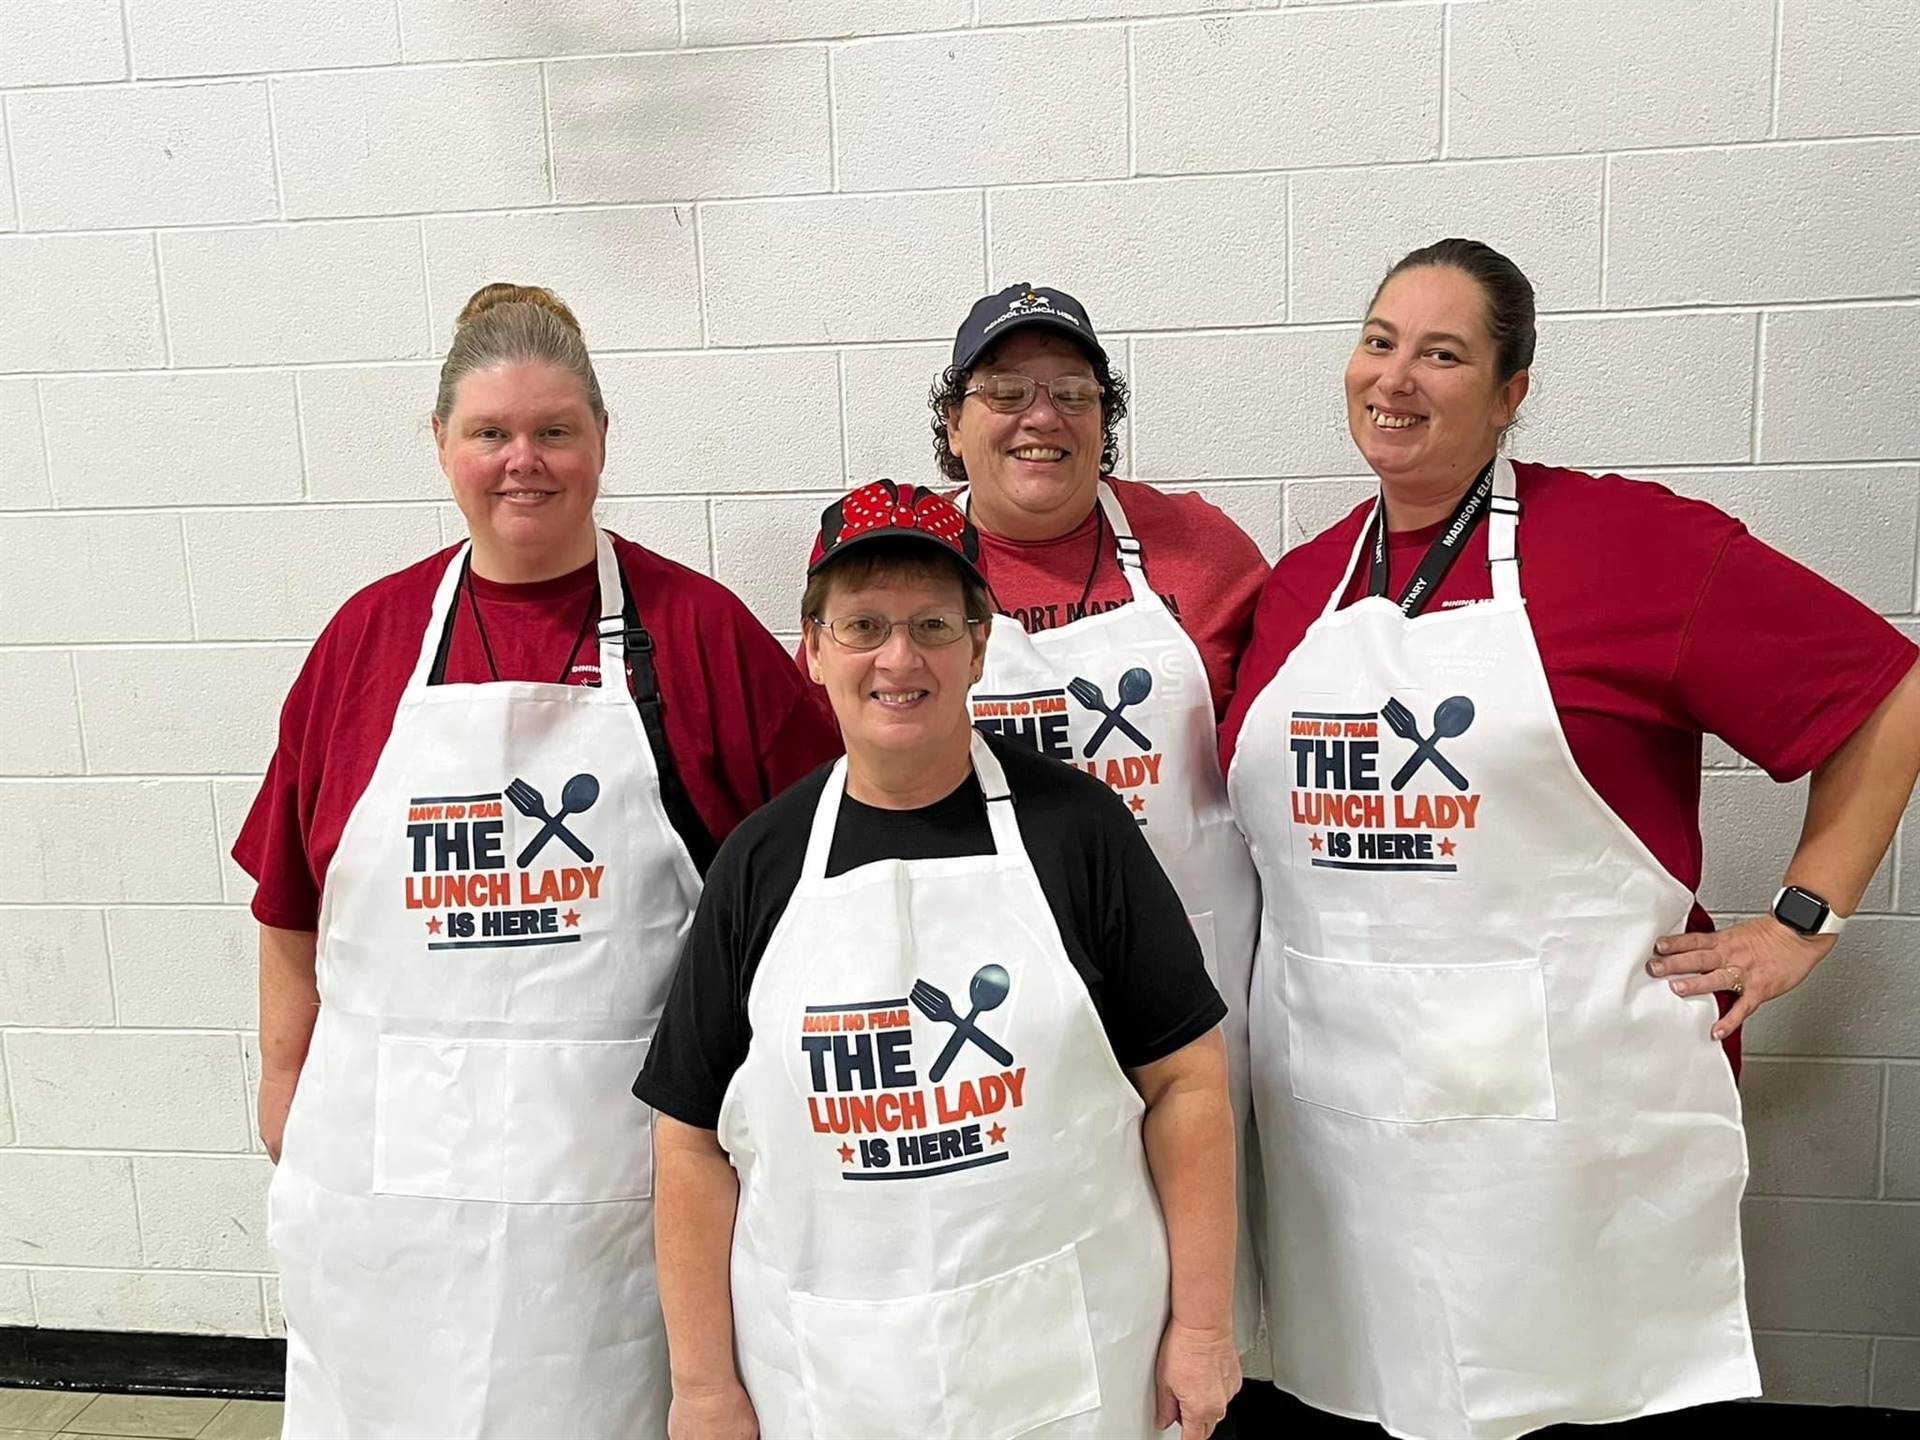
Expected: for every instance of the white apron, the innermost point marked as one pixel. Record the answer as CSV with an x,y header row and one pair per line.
x,y
1165,762
462,1214
1504,1164
946,1230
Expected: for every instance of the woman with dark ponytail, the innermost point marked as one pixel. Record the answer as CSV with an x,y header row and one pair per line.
x,y
500,777
1502,1146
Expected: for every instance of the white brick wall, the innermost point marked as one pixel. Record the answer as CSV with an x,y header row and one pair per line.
x,y
234,234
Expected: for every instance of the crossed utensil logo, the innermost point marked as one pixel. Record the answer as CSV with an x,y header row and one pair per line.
x,y
576,795
1135,685
987,991
1452,717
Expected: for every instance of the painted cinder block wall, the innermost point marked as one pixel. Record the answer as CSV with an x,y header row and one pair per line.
x,y
236,233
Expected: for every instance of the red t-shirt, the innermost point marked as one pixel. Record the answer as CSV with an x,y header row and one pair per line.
x,y
1198,561
1202,564
1658,619
740,725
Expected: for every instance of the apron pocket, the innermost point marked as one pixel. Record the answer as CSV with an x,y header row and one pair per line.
x,y
512,1121
988,1361
1420,1042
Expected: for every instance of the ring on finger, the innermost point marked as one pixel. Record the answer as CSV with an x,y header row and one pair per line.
x,y
1736,982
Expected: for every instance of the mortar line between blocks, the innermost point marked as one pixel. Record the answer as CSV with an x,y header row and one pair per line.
x,y
680,10
846,454
833,129
986,239
1287,260
713,540
1759,386
546,137
186,572
1886,1120
273,146
160,301
80,721
1606,224
300,438
700,276
1779,37
399,32
13,171
126,38
139,1220
6,1072
1916,595
426,282
46,438
1133,133
1446,74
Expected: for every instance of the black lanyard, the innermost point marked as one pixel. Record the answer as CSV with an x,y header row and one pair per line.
x,y
473,604
1440,555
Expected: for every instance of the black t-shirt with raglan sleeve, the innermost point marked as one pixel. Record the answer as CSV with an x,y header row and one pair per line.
x,y
1119,918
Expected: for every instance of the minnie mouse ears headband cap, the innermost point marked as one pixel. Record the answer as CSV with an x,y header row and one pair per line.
x,y
883,510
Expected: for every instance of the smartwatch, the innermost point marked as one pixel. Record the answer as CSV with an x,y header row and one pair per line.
x,y
1806,912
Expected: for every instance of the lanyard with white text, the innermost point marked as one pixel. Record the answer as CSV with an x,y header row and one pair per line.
x,y
1440,556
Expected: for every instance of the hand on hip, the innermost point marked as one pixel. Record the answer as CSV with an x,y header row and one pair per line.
x,y
1757,960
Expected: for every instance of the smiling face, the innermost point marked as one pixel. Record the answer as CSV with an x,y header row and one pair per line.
x,y
1034,475
1424,399
523,450
902,700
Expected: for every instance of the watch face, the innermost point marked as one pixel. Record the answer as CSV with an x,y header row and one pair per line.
x,y
1802,911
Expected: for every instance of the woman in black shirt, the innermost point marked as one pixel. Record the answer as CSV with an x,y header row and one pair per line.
x,y
942,1034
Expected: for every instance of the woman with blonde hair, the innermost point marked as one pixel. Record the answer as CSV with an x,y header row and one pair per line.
x,y
476,862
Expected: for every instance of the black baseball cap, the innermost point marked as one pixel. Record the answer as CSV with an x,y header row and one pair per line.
x,y
883,510
1016,308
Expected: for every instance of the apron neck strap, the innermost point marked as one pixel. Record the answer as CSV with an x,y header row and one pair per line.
x,y
613,619
438,631
1126,548
993,784
826,815
1361,545
1503,525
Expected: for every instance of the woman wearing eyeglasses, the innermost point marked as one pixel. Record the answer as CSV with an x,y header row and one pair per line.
x,y
1124,610
944,1146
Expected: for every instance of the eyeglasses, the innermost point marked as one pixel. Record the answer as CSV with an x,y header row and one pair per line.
x,y
934,631
1012,392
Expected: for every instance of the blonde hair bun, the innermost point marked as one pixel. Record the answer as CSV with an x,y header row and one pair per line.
x,y
502,292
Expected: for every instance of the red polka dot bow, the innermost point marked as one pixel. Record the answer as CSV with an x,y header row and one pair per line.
x,y
884,508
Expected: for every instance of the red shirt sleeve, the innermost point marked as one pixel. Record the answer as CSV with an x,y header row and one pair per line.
x,y
272,844
1782,664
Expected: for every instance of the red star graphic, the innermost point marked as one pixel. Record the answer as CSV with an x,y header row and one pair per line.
x,y
997,1133
1314,840
433,926
572,917
846,1154
1447,847
1138,802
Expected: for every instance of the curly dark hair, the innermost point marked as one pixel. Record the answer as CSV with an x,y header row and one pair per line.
x,y
949,391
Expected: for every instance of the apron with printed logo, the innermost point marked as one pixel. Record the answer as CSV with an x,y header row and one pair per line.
x,y
462,1214
1124,695
947,1230
1503,1163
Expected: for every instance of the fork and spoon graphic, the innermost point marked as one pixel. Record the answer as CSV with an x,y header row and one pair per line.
x,y
576,795
987,991
1135,686
1451,718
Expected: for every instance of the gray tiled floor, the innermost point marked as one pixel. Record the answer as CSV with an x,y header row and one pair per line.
x,y
42,1414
